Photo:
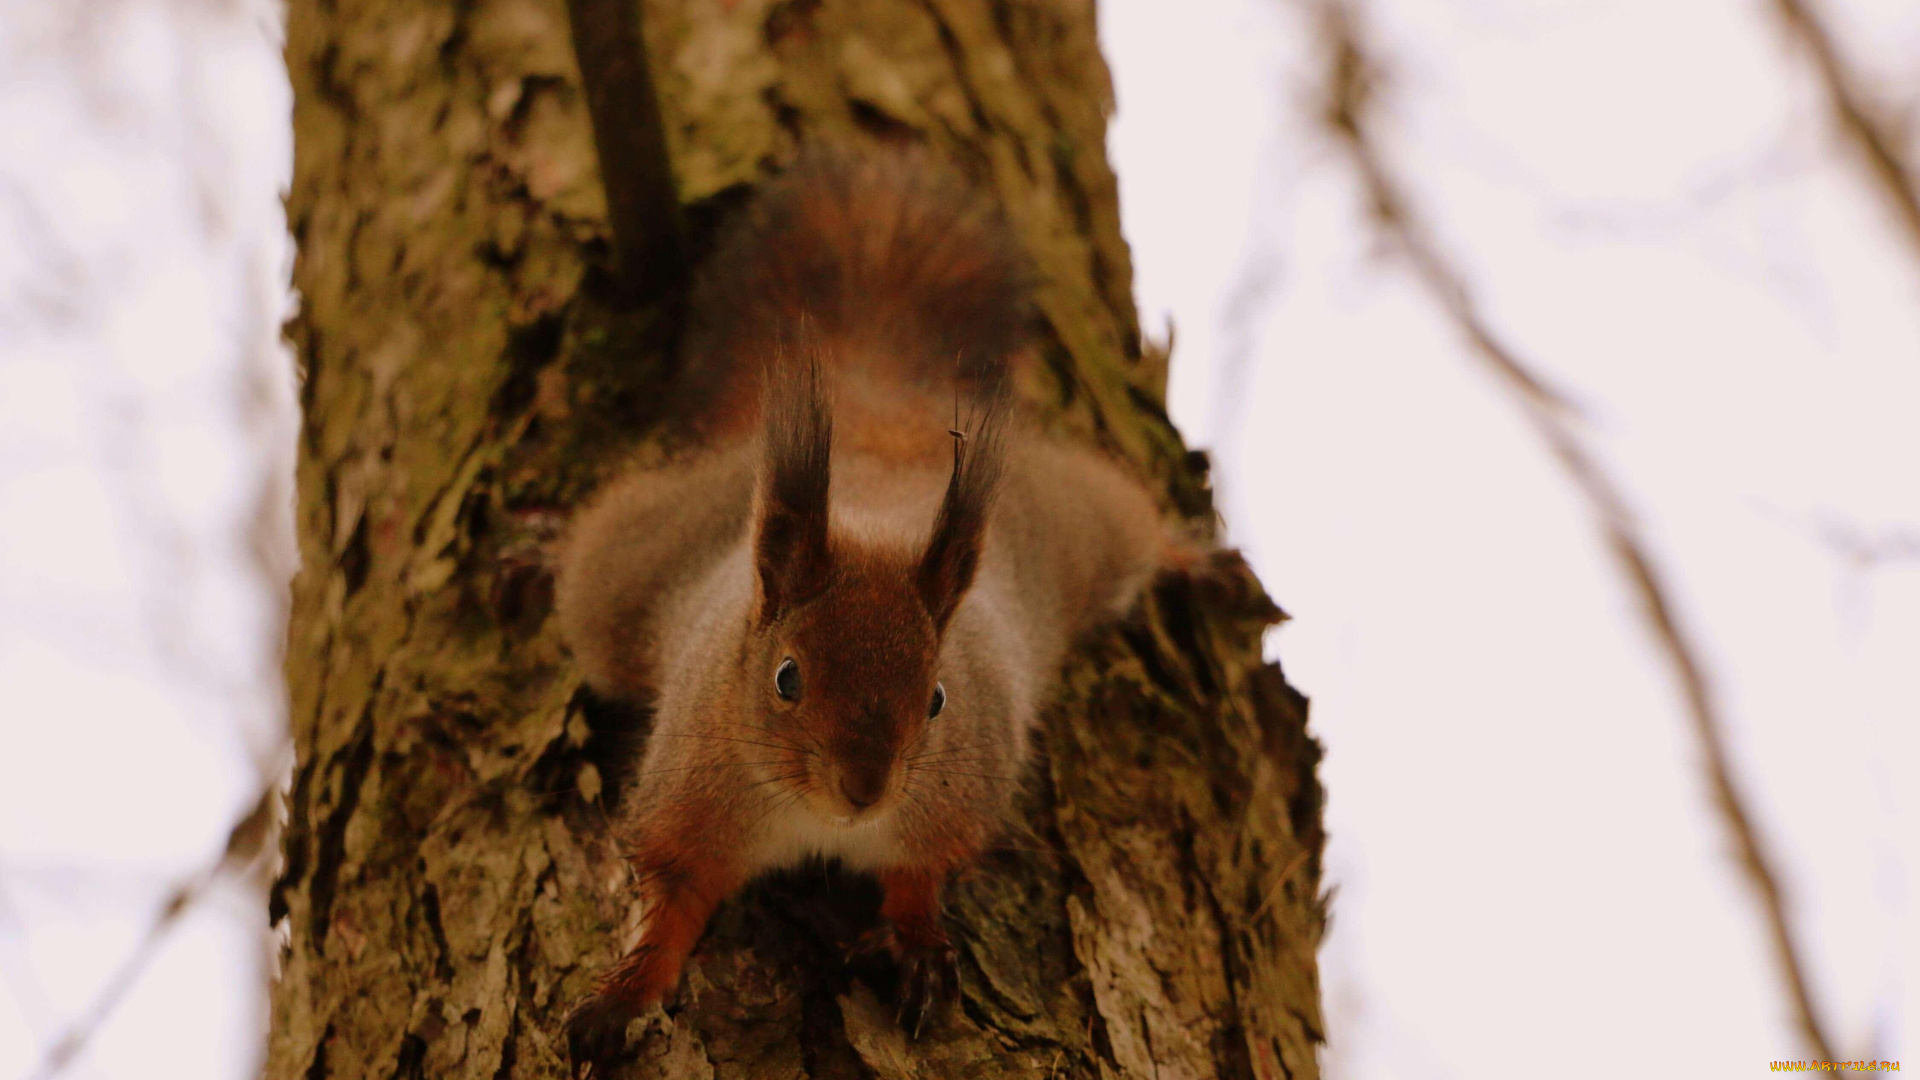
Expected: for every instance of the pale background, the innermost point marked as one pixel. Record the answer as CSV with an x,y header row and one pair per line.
x,y
1647,199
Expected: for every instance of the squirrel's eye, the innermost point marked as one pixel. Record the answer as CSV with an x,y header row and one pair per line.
x,y
786,679
939,701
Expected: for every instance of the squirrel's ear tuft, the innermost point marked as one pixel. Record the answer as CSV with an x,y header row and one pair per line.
x,y
790,547
960,529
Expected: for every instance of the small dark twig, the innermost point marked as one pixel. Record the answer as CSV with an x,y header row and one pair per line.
x,y
1880,145
1348,100
250,839
643,203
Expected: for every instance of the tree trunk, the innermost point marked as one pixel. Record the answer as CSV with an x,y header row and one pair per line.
x,y
471,369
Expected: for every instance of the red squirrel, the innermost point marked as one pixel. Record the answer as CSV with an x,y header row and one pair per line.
x,y
846,611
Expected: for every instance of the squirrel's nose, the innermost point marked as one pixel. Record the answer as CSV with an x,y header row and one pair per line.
x,y
863,787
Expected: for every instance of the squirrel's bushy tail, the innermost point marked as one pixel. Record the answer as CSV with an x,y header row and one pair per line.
x,y
884,263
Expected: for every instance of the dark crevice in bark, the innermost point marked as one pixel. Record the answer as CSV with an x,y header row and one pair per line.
x,y
1307,1024
1059,364
1185,629
1157,409
409,1064
317,1068
530,349
522,966
430,911
870,119
1281,713
333,834
453,47
355,558
616,736
297,830
1280,1058
510,1053
350,250
327,86
1191,483
957,58
825,1051
1229,1048
1139,637
306,341
1079,205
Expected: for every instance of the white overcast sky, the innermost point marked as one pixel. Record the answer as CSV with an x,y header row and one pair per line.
x,y
1645,197
1647,200
145,410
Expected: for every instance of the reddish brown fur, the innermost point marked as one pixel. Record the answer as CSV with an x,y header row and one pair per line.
x,y
681,905
911,903
833,524
909,274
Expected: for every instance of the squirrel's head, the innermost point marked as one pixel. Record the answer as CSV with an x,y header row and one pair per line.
x,y
841,660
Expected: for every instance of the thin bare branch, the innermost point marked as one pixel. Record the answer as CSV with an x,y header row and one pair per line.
x,y
15,967
250,840
1877,140
1863,552
643,204
1349,97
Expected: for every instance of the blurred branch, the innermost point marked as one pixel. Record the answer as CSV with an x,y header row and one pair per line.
x,y
1862,552
643,203
1252,286
1877,140
14,964
1847,541
251,839
1351,82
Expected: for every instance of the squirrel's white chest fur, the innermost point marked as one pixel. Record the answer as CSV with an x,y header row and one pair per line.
x,y
795,834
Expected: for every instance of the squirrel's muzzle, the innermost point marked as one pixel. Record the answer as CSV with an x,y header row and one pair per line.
x,y
865,765
863,786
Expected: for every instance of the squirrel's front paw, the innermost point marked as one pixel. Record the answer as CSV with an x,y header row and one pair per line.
x,y
928,973
597,1034
928,977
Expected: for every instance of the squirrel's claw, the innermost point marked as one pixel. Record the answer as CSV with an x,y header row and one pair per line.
x,y
597,1035
929,977
928,974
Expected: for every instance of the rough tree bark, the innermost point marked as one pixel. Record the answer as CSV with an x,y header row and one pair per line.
x,y
470,371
